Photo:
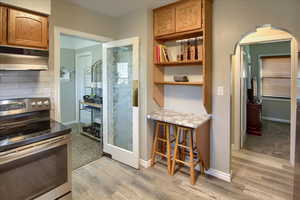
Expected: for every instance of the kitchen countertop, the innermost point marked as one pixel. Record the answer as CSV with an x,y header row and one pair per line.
x,y
56,129
189,120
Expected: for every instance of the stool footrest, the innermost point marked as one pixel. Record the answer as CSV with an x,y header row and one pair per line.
x,y
161,154
186,163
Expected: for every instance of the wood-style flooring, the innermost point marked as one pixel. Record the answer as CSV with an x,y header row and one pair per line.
x,y
275,140
255,177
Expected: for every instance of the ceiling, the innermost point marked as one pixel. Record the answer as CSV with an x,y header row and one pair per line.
x,y
117,8
72,42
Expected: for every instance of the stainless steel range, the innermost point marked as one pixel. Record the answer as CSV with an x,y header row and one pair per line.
x,y
34,152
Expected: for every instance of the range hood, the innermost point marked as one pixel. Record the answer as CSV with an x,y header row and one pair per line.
x,y
12,58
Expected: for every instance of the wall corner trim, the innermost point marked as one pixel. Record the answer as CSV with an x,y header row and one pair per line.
x,y
219,174
145,163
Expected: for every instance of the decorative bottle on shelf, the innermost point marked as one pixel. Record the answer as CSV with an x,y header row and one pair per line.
x,y
193,49
185,51
199,49
178,51
181,50
188,56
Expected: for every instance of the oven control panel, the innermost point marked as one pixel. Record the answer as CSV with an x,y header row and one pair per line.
x,y
18,106
38,104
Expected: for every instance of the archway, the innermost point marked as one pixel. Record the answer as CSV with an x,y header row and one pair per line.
x,y
263,34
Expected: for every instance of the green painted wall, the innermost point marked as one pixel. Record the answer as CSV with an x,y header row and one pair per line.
x,y
272,108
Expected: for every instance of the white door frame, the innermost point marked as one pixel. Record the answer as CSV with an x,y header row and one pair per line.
x,y
56,107
117,153
265,34
77,55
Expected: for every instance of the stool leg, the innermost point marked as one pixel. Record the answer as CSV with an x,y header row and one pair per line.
x,y
168,148
154,145
202,170
175,150
184,143
192,170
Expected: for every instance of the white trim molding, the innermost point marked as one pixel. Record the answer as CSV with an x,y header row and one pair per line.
x,y
276,120
69,123
263,34
56,63
213,172
145,163
219,174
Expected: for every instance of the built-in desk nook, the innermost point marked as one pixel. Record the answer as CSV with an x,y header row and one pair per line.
x,y
189,133
182,57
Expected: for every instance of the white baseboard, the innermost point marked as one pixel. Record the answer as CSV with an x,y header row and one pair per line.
x,y
219,174
213,172
276,120
68,123
145,163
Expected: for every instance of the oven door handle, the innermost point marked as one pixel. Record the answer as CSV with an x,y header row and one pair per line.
x,y
21,152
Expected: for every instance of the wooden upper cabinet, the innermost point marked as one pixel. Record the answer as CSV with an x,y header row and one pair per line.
x,y
188,15
164,21
3,26
27,29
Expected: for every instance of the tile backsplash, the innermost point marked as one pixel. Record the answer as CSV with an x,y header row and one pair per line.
x,y
18,84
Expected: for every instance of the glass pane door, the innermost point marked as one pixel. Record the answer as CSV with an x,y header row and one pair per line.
x,y
120,107
119,96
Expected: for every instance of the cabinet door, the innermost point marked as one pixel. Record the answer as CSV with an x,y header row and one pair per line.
x,y
26,29
188,15
3,25
164,21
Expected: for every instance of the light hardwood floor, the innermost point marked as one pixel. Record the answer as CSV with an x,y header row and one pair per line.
x,y
254,177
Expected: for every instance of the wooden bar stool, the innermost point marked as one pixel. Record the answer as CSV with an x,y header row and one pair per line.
x,y
163,138
181,148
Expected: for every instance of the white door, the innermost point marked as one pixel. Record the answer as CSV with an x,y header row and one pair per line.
x,y
83,82
120,100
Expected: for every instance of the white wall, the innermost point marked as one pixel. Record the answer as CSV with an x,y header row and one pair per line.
x,y
67,87
231,20
41,6
132,25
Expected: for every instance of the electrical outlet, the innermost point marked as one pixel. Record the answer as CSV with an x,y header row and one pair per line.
x,y
220,91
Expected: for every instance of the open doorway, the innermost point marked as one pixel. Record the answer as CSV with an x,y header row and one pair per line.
x,y
104,94
81,96
267,102
263,100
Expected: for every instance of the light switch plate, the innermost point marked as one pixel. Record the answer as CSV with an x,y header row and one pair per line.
x,y
220,91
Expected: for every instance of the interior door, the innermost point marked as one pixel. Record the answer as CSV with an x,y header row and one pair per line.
x,y
83,82
120,100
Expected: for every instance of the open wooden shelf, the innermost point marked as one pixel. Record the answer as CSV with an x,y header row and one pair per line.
x,y
198,83
180,36
175,63
184,19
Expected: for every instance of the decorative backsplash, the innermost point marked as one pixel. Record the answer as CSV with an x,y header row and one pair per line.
x,y
15,84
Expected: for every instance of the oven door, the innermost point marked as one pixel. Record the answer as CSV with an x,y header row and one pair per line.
x,y
38,171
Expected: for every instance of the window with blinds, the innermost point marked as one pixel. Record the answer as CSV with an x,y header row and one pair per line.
x,y
276,76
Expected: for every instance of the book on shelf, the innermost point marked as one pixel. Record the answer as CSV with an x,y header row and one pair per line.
x,y
161,54
184,51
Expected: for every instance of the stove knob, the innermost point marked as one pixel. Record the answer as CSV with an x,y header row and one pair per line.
x,y
39,103
46,103
33,104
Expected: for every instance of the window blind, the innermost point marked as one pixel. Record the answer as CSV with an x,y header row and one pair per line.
x,y
276,76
